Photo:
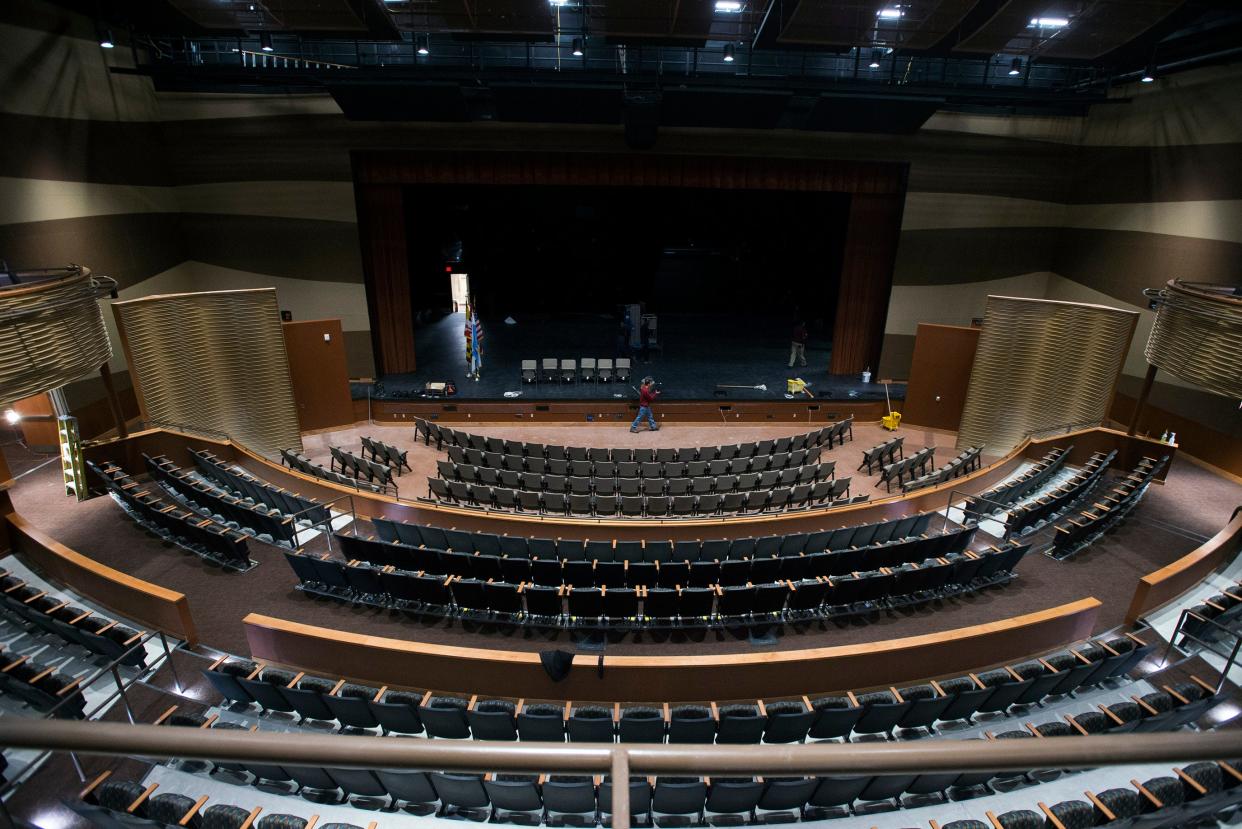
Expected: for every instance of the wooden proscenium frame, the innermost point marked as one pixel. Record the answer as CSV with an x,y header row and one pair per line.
x,y
876,190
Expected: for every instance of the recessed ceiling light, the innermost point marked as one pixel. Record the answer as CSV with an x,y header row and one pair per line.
x,y
105,40
1050,22
1015,67
889,14
728,53
558,2
728,6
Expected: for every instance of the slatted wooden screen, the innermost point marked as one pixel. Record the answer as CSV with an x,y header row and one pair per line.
x,y
1042,364
214,361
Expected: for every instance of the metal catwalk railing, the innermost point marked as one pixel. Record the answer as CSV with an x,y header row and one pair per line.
x,y
621,761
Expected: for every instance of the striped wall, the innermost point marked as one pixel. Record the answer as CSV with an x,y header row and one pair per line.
x,y
180,191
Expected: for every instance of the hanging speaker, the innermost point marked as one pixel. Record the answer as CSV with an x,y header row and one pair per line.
x,y
557,663
642,120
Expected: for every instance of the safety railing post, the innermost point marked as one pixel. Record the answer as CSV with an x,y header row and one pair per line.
x,y
620,789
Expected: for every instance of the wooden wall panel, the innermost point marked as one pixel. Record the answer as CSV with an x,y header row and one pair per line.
x,y
379,660
154,606
1042,364
939,375
866,282
38,433
318,373
386,272
213,360
1166,584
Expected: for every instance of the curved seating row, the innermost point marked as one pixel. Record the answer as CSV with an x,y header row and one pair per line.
x,y
189,529
568,549
1076,531
259,519
260,492
785,498
995,499
691,564
587,468
1028,516
643,608
966,461
112,804
75,625
915,709
1184,797
833,434
630,485
882,453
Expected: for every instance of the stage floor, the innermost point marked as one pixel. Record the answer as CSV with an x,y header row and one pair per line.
x,y
699,352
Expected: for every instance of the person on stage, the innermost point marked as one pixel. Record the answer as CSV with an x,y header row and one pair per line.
x,y
646,396
797,345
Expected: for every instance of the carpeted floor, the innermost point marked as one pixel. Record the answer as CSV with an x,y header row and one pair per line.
x,y
1171,520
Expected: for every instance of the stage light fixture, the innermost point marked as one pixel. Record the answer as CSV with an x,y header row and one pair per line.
x,y
876,54
1015,67
889,14
1050,22
577,47
1149,74
12,417
423,41
728,53
105,39
728,6
265,41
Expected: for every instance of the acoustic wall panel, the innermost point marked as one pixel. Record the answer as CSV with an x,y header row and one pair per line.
x,y
1198,335
1042,365
212,361
51,331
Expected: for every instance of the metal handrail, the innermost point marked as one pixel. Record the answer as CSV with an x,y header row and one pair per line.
x,y
377,752
1231,658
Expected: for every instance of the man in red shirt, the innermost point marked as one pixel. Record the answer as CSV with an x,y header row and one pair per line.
x,y
646,396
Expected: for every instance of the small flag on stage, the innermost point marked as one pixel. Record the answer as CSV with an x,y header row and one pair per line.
x,y
474,341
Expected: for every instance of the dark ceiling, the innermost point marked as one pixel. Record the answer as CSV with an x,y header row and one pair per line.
x,y
860,65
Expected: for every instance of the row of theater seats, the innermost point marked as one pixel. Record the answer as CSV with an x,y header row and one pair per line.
x,y
966,461
633,485
995,499
833,434
298,462
190,529
651,549
914,466
587,468
1076,531
124,804
802,496
384,453
596,563
40,685
642,607
260,492
75,625
1181,798
360,468
912,710
1078,486
882,453
1210,619
258,519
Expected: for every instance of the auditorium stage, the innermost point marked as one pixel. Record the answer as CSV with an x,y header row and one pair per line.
x,y
698,353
